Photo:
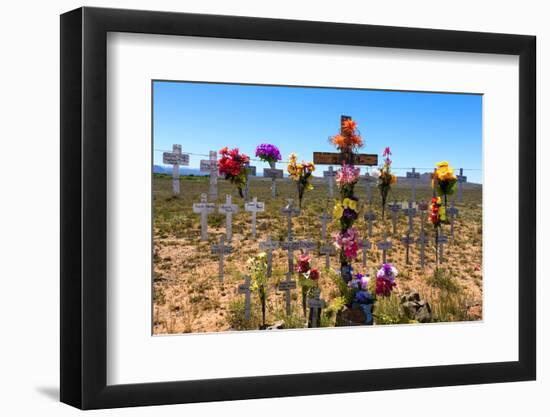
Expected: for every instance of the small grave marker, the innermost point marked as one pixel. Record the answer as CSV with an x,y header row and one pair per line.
x,y
290,211
204,208
327,251
245,289
221,250
365,245
461,179
250,172
269,246
228,209
254,206
370,217
394,208
211,165
452,212
329,175
175,158
407,241
324,219
422,241
384,246
410,212
273,173
413,176
293,245
368,186
287,285
315,304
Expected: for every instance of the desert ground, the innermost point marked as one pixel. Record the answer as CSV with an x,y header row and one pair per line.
x,y
188,297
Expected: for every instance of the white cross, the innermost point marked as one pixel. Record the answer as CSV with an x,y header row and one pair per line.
x,y
329,175
175,158
204,208
269,246
410,211
407,241
250,172
423,207
452,212
245,289
368,185
273,173
441,240
315,304
254,206
422,240
395,207
228,209
287,286
211,165
221,249
324,219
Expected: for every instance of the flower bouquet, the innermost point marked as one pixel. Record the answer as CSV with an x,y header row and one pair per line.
x,y
232,165
346,241
348,139
257,268
301,174
268,153
385,280
385,178
437,216
308,279
444,180
361,297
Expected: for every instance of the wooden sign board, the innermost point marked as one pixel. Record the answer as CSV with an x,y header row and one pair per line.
x,y
273,173
169,158
334,158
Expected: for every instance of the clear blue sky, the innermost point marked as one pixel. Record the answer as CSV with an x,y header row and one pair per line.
x,y
420,128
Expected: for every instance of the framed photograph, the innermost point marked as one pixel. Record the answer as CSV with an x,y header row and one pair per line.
x,y
258,208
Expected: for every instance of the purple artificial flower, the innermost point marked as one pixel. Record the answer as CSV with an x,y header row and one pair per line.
x,y
362,297
268,152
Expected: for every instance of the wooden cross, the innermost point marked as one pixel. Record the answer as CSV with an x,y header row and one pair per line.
x,y
273,174
290,211
327,250
370,217
324,219
452,212
410,211
329,175
287,285
269,246
394,207
221,249
175,158
441,240
250,172
211,165
315,304
245,289
461,179
384,246
204,208
423,207
413,176
407,241
422,241
228,209
365,245
254,206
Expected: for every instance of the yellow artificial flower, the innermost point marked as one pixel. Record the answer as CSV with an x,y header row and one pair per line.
x,y
338,210
442,213
349,203
393,179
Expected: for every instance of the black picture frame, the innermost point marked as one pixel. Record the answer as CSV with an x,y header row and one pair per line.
x,y
84,207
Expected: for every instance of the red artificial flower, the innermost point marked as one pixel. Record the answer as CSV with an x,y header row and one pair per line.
x,y
314,274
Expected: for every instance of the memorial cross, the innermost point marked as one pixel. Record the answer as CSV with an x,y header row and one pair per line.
x,y
452,212
384,246
221,249
327,250
228,209
329,175
273,174
290,211
365,245
175,158
407,241
413,176
269,246
211,165
245,289
423,207
254,206
315,304
324,219
204,208
461,179
287,285
394,207
370,217
410,211
441,240
250,172
422,241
